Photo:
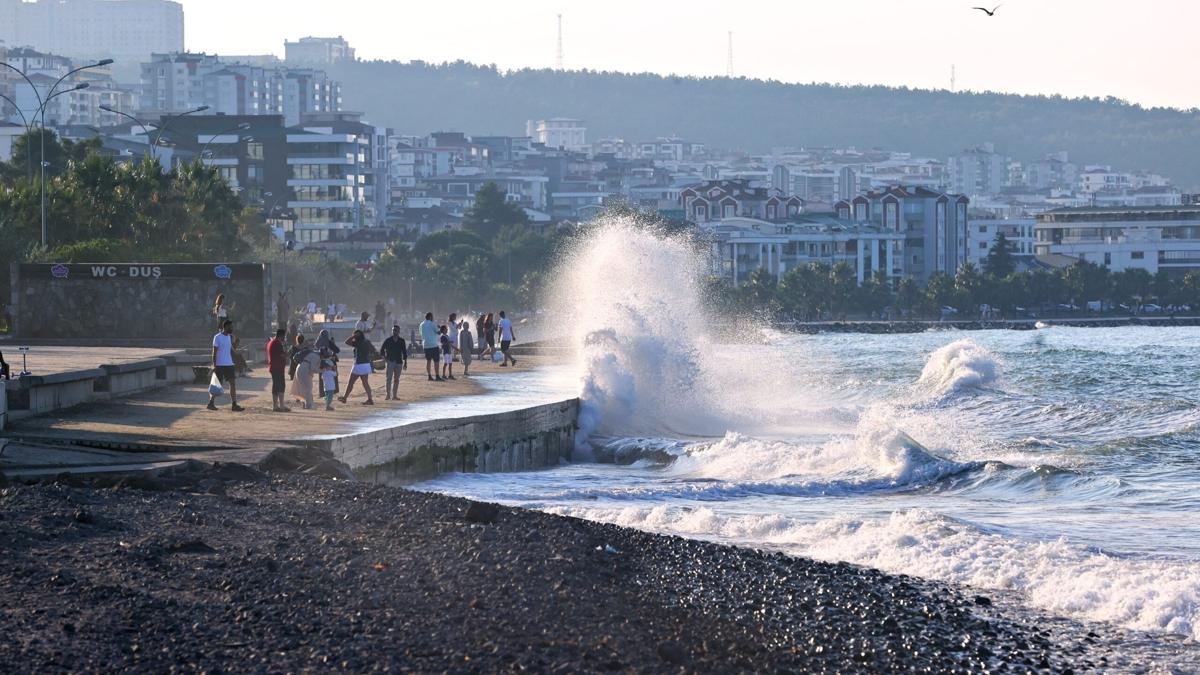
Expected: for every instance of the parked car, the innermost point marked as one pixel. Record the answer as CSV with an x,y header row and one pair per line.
x,y
1150,308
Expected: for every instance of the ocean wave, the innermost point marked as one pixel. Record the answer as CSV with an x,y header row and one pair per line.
x,y
959,366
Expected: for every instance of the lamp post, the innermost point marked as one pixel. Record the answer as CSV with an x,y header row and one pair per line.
x,y
166,122
145,129
241,127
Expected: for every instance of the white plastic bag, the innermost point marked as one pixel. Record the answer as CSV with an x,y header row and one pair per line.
x,y
214,386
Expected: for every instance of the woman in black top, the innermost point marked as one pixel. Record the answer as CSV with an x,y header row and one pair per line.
x,y
364,351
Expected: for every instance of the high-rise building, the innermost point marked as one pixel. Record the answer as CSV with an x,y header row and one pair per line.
x,y
186,81
979,171
127,31
934,224
559,132
318,51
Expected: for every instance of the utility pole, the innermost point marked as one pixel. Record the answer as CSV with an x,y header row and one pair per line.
x,y
558,61
729,57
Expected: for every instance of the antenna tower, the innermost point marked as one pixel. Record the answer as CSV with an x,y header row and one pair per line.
x,y
558,61
729,57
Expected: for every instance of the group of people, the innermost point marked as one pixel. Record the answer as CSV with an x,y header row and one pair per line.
x,y
291,356
441,343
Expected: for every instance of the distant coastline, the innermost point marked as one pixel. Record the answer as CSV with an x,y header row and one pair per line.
x,y
882,327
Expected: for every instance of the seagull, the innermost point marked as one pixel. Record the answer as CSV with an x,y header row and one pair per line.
x,y
985,10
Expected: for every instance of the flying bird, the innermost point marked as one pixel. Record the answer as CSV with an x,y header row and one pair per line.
x,y
989,12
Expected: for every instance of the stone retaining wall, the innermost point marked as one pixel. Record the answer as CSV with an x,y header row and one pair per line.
x,y
519,440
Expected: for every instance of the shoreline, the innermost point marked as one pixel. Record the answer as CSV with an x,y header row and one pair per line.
x,y
921,326
244,571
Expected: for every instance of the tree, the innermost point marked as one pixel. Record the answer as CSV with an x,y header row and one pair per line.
x,y
999,262
843,286
968,287
1086,281
875,294
939,292
802,291
908,294
759,289
491,211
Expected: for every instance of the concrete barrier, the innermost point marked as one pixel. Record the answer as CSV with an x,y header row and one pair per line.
x,y
40,394
123,379
519,440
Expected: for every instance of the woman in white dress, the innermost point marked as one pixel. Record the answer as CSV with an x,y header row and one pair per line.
x,y
308,365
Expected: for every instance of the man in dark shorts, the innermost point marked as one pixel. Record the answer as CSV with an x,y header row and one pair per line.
x,y
429,342
277,363
223,365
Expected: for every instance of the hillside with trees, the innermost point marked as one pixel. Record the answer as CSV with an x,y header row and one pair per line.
x,y
756,115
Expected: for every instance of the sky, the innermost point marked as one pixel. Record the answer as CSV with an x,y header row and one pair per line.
x,y
1145,52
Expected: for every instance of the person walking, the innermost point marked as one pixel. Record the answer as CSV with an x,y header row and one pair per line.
x,y
506,339
489,328
466,347
307,365
395,355
429,343
222,361
447,353
380,318
363,351
479,322
219,311
277,362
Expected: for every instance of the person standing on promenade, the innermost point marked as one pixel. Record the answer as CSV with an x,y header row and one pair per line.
x,y
453,325
447,353
222,360
380,318
429,342
328,383
219,311
363,350
506,339
328,351
362,325
277,359
479,332
395,355
466,347
5,371
307,365
283,310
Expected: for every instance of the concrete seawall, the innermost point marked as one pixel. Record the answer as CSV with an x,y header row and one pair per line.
x,y
518,440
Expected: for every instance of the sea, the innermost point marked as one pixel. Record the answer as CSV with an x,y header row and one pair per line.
x,y
1058,466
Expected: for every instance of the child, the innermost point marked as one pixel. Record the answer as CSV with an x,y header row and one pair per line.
x,y
447,353
329,379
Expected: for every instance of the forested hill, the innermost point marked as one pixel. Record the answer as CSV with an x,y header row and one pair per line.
x,y
756,115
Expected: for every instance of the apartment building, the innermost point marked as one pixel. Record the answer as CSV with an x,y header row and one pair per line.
x,y
934,225
1152,238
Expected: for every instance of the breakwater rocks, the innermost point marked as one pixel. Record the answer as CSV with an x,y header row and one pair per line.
x,y
251,572
884,327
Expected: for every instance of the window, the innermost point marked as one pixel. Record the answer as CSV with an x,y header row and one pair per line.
x,y
1137,255
983,246
1107,259
983,229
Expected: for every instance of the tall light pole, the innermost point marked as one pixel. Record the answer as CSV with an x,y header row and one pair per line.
x,y
145,128
241,127
166,122
42,112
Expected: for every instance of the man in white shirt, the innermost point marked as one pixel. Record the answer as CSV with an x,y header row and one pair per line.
x,y
223,365
506,339
429,343
363,325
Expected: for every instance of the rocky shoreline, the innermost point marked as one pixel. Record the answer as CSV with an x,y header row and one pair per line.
x,y
225,568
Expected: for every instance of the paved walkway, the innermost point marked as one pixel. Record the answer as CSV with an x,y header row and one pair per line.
x,y
51,360
172,423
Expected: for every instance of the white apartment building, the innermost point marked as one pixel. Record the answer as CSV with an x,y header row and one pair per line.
x,y
1149,238
328,175
127,31
185,81
981,235
318,51
979,171
742,245
559,132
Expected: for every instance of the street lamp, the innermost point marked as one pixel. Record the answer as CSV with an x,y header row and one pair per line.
x,y
166,122
241,127
145,129
42,112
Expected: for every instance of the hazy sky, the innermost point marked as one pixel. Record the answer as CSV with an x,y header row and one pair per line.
x,y
1142,51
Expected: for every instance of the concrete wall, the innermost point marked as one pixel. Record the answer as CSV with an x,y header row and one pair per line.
x,y
520,440
138,301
